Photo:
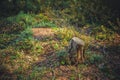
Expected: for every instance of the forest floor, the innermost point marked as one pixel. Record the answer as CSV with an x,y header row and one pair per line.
x,y
35,49
84,71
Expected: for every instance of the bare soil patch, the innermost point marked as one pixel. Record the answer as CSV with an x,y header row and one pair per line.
x,y
41,33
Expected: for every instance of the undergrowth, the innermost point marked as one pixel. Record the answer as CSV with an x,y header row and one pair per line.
x,y
19,50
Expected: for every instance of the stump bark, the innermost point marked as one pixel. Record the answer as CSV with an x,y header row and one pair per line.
x,y
76,50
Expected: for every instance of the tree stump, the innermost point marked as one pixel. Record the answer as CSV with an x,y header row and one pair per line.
x,y
76,50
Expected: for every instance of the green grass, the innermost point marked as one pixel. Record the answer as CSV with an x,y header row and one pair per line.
x,y
32,20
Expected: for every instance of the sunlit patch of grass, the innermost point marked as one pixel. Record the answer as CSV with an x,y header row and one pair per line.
x,y
88,39
67,33
103,33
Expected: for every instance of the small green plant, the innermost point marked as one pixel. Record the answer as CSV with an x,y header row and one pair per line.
x,y
37,48
56,46
95,58
73,77
63,57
